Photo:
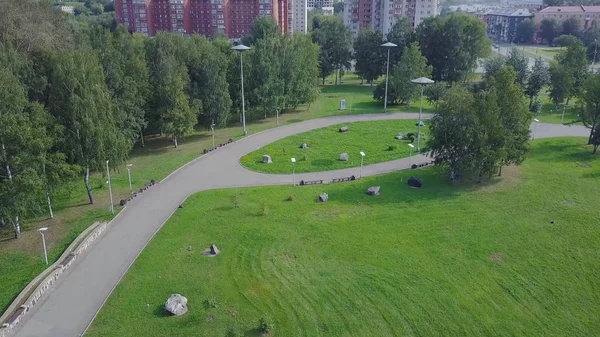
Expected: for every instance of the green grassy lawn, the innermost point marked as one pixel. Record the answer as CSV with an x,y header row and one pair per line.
x,y
549,52
518,256
552,114
326,144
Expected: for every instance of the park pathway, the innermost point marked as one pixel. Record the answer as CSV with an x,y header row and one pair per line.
x,y
78,296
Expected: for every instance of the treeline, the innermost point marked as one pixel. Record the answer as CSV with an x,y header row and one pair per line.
x,y
74,94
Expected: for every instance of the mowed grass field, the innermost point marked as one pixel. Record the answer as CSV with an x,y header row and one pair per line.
x,y
517,256
375,138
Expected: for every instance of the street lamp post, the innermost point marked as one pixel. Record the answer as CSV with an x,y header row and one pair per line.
x,y
362,157
241,48
410,155
389,46
212,130
595,50
112,209
534,128
293,171
41,231
422,81
562,117
129,176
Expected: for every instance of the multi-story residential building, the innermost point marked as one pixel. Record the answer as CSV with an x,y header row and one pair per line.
x,y
319,3
135,14
234,18
588,16
381,15
502,24
299,16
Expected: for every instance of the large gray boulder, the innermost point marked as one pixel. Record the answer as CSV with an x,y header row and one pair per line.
x,y
415,182
323,197
176,305
373,190
214,250
267,159
421,122
344,129
304,146
344,157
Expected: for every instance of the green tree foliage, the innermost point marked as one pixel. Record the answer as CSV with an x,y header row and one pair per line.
x,y
550,29
400,89
492,66
571,26
265,84
81,102
435,93
561,83
178,117
565,40
474,135
590,112
525,31
369,55
400,35
574,59
335,42
592,51
453,44
264,27
520,63
539,78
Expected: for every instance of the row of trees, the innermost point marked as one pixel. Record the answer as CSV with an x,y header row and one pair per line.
x,y
76,95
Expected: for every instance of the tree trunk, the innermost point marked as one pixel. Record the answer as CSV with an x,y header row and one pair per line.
x,y
323,80
530,102
336,76
500,171
49,205
371,82
361,81
175,140
142,139
86,181
17,227
595,149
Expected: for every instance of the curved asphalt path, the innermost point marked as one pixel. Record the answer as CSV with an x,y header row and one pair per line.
x,y
70,307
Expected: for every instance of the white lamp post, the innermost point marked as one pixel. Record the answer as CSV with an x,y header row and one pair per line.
x,y
562,117
422,81
410,155
212,129
112,210
129,176
387,45
41,231
241,48
293,171
534,128
362,156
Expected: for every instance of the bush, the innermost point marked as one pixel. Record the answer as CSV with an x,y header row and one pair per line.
x,y
565,40
392,147
210,303
411,136
290,198
232,332
266,325
264,209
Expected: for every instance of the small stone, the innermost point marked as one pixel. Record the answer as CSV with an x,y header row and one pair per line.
x,y
415,182
176,305
344,129
421,122
323,197
180,206
214,250
373,190
399,137
344,157
304,146
552,222
267,159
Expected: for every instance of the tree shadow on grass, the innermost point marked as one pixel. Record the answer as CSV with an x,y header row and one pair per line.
x,y
253,333
296,120
159,311
563,151
321,162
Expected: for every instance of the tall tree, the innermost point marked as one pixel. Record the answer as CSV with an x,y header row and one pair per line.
x,y
452,45
539,78
571,27
492,66
590,112
525,31
400,89
561,83
264,27
574,59
400,35
265,81
178,117
565,40
369,56
520,64
335,42
549,29
81,102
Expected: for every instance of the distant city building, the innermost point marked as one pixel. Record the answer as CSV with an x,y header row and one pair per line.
x,y
502,24
381,15
234,18
67,9
588,16
319,3
299,16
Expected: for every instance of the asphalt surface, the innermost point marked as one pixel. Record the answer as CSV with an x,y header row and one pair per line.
x,y
78,295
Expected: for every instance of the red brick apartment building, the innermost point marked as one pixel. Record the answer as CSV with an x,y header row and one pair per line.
x,y
234,18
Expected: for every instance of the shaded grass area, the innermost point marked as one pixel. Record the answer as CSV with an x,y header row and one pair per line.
x,y
518,256
549,52
375,138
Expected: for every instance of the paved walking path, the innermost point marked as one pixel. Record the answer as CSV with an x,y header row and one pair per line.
x,y
77,296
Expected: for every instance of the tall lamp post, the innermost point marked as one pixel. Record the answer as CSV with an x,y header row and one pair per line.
x,y
422,81
41,231
389,46
212,129
293,171
534,128
129,176
362,157
112,209
241,49
595,50
410,155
